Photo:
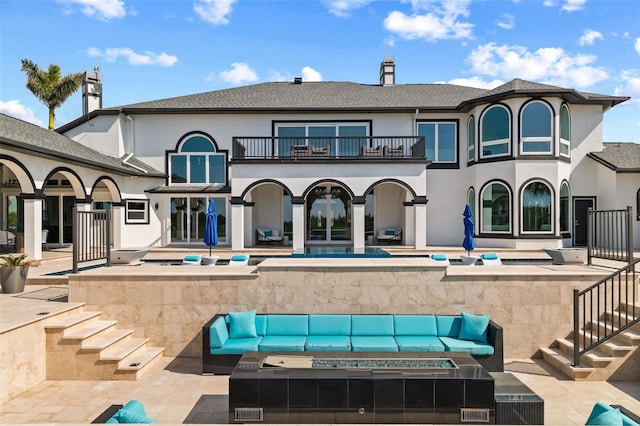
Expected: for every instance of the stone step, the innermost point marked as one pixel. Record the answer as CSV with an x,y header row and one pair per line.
x,y
134,365
628,336
104,339
122,349
556,358
593,358
87,330
71,320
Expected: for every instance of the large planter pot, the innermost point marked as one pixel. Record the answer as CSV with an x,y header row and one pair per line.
x,y
13,279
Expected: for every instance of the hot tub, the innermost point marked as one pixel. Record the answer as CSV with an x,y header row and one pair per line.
x,y
567,255
127,256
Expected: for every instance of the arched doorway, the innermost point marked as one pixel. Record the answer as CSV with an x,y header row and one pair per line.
x,y
328,210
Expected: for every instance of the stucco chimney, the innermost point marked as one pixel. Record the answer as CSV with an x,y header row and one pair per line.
x,y
91,91
388,71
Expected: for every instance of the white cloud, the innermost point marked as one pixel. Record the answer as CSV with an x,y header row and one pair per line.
x,y
589,37
551,65
147,58
473,82
548,3
573,5
637,45
278,76
103,10
630,86
431,21
215,12
14,109
239,73
507,21
342,8
309,74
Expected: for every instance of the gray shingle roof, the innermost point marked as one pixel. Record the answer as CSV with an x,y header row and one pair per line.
x,y
336,96
43,142
619,156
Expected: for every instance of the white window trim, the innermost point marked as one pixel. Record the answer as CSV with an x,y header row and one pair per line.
x,y
206,168
524,140
127,210
481,210
506,141
471,148
564,142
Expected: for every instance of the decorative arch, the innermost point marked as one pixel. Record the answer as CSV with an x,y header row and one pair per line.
x,y
496,206
471,200
536,127
471,139
326,181
398,182
112,187
264,182
184,138
536,207
73,178
197,160
25,180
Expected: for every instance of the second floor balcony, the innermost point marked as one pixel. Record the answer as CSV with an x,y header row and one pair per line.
x,y
370,148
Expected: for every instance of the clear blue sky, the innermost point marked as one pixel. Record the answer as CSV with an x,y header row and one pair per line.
x,y
150,50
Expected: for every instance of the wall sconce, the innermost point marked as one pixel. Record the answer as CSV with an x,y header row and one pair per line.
x,y
155,206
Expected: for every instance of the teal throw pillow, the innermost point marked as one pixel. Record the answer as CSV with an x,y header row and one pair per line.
x,y
474,327
132,412
242,324
268,233
609,418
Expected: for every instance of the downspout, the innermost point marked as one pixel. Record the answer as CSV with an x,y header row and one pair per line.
x,y
133,148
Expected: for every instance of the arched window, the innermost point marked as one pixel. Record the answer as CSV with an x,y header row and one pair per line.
x,y
471,200
536,208
564,207
495,132
638,205
565,131
536,128
197,162
496,209
471,138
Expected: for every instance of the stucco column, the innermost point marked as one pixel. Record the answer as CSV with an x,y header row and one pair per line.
x,y
357,222
249,233
297,207
237,223
117,220
409,232
420,211
33,228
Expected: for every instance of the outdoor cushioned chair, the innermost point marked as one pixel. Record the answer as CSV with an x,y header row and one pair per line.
x,y
7,241
440,258
491,259
268,236
389,235
239,260
192,259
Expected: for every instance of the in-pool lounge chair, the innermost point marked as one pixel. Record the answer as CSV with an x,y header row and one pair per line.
x,y
441,258
490,259
192,259
239,260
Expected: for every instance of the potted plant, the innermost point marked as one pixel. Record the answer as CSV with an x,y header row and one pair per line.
x,y
13,272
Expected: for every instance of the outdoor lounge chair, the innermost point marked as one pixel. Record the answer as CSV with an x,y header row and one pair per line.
x,y
268,236
7,241
491,259
441,258
192,259
239,260
389,235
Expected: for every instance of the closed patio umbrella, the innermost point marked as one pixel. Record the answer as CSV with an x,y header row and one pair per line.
x,y
211,227
469,243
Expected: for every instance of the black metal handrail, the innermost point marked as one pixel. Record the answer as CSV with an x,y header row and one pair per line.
x,y
91,236
592,304
610,234
362,147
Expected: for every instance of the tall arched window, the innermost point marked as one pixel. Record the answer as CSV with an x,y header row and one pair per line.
x,y
495,132
471,200
536,128
197,162
638,205
471,139
565,131
536,208
564,207
496,209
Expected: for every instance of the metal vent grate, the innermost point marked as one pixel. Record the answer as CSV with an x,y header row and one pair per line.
x,y
248,414
474,415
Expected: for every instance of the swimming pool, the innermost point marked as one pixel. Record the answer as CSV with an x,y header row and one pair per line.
x,y
340,252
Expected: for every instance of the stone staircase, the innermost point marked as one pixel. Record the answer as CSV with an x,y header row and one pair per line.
x,y
81,346
613,359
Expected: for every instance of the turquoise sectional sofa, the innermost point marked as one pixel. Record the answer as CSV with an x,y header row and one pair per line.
x,y
227,336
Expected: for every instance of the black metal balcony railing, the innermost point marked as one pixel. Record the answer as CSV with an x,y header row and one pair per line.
x,y
292,148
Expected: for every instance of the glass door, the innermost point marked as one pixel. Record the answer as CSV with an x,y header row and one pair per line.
x,y
328,215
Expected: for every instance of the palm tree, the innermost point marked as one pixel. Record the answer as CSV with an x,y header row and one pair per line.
x,y
50,86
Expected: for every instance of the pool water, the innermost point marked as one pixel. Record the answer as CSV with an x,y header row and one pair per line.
x,y
341,252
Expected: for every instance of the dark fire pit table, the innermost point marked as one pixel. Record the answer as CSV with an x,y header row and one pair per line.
x,y
360,387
